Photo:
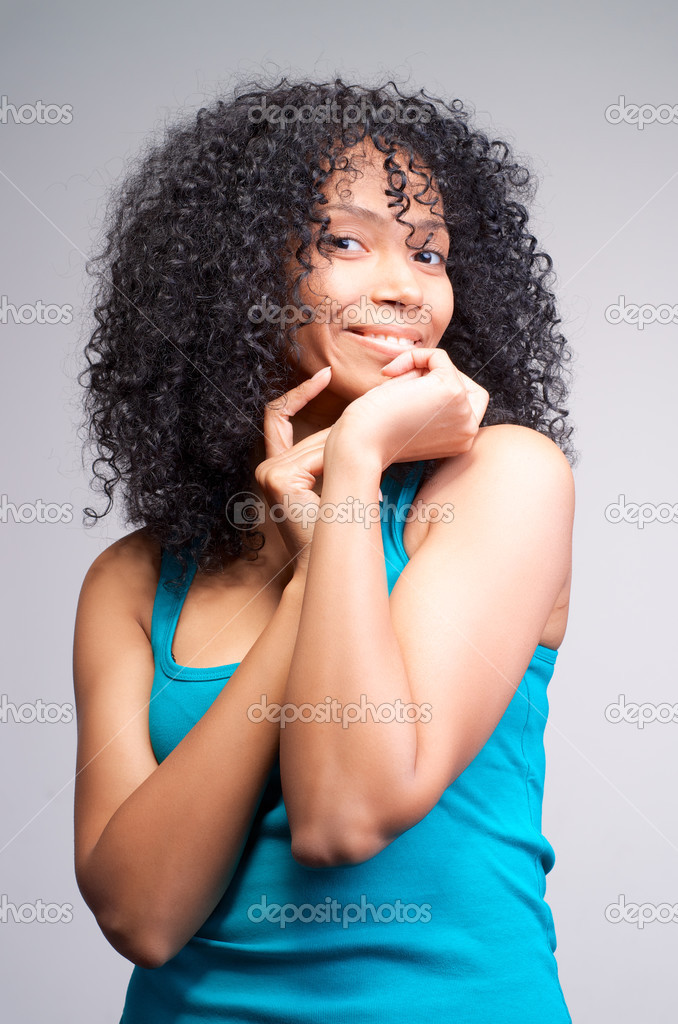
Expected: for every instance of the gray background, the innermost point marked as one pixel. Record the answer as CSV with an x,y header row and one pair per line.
x,y
538,75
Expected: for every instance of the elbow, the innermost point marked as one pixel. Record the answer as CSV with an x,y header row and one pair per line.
x,y
314,849
139,945
142,950
135,940
341,837
140,929
148,957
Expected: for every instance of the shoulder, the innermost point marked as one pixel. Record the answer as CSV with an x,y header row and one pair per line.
x,y
134,557
503,508
125,574
505,456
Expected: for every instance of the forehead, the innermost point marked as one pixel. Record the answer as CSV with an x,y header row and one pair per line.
x,y
366,179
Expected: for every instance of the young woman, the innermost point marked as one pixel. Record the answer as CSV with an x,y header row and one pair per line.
x,y
311,687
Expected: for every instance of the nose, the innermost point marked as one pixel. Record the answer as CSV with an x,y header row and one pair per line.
x,y
396,280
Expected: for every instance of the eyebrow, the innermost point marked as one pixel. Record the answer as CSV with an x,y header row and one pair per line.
x,y
429,223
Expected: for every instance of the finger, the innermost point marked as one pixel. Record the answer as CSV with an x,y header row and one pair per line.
x,y
301,448
479,400
311,460
275,481
278,433
431,359
418,357
478,396
409,375
470,384
421,360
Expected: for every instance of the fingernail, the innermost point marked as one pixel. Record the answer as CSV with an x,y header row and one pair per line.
x,y
324,370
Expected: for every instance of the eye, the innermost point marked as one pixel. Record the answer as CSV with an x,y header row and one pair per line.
x,y
333,239
433,252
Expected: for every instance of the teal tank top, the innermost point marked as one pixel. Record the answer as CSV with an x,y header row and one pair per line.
x,y
448,923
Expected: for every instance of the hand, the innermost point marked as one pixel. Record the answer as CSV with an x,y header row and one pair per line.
x,y
425,409
288,473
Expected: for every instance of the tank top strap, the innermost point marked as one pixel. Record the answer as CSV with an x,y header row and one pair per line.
x,y
395,511
394,508
168,601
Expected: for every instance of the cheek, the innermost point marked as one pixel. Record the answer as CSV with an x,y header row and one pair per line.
x,y
344,279
444,301
324,284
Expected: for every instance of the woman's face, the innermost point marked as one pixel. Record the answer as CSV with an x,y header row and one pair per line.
x,y
373,283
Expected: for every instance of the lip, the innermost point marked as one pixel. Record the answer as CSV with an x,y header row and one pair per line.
x,y
397,330
385,347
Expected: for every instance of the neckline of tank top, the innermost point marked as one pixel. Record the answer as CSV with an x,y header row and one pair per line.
x,y
548,654
170,665
413,476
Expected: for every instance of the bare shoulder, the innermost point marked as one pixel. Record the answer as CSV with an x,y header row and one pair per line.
x,y
504,452
516,483
126,573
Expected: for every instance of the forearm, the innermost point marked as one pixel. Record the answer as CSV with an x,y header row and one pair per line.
x,y
169,852
345,787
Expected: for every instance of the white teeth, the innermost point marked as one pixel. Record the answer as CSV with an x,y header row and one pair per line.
x,y
402,342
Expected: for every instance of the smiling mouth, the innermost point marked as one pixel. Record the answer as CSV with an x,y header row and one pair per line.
x,y
384,340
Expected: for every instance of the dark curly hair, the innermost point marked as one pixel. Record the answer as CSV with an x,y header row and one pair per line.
x,y
178,373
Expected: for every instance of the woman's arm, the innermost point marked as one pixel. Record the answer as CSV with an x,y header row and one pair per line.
x,y
457,634
157,845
